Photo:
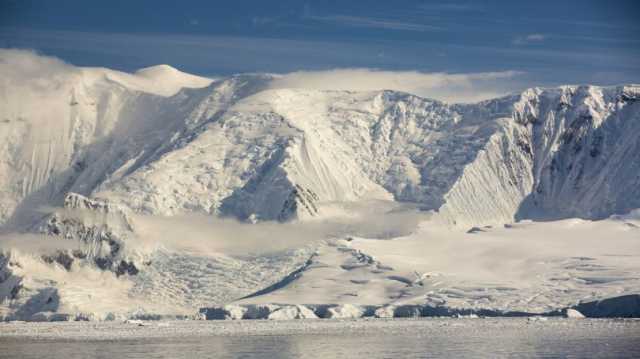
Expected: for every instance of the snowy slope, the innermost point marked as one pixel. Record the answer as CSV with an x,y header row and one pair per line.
x,y
476,164
525,267
99,160
68,130
585,143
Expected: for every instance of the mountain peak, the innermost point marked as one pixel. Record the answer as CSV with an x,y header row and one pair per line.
x,y
157,70
171,78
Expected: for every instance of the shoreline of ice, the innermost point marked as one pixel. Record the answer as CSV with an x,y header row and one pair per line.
x,y
625,306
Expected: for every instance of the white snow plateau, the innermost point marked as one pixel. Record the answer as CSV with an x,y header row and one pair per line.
x,y
160,194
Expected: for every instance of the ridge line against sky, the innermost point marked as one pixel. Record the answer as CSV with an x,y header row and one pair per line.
x,y
550,43
25,69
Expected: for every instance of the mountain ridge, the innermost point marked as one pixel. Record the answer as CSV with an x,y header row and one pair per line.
x,y
425,149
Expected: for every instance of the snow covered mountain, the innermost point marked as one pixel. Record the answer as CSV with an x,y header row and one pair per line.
x,y
238,148
84,150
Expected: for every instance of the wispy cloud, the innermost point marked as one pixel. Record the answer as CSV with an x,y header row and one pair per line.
x,y
26,77
215,55
586,24
262,20
523,40
368,22
28,74
466,87
451,7
208,235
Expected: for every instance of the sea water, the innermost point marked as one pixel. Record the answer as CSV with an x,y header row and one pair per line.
x,y
419,338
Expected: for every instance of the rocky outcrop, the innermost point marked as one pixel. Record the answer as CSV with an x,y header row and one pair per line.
x,y
101,226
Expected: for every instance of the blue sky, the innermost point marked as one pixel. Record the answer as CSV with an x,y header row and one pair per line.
x,y
548,42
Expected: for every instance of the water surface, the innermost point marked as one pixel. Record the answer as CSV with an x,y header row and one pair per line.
x,y
424,338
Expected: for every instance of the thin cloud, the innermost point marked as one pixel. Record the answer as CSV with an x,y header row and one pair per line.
x,y
208,235
580,23
367,22
258,21
523,40
450,7
214,54
30,74
453,88
25,79
535,37
598,39
35,243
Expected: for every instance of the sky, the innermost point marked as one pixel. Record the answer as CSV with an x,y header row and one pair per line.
x,y
537,43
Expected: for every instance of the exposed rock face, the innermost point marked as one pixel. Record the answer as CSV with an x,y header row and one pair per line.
x,y
103,228
299,199
20,300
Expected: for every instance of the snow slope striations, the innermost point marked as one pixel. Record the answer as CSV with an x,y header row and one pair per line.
x,y
586,160
75,128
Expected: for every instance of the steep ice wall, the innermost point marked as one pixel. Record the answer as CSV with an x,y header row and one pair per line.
x,y
587,152
491,188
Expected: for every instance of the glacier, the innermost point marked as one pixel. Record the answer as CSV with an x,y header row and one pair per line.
x,y
113,171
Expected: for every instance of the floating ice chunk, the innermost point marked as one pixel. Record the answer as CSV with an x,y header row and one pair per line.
x,y
468,316
233,312
573,314
344,311
290,312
